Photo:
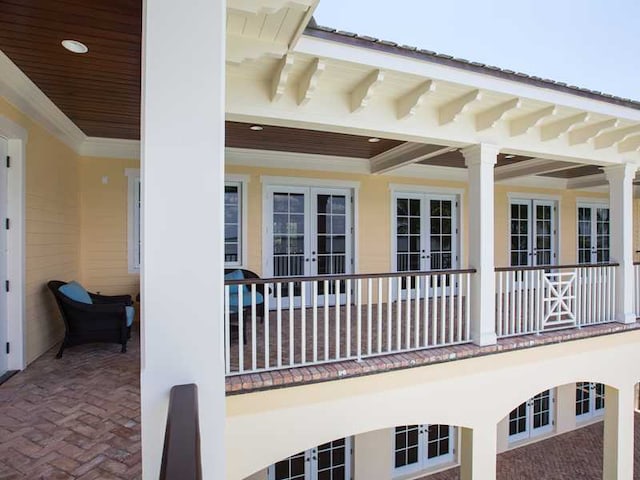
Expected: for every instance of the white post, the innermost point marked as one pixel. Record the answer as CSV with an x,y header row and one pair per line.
x,y
478,452
618,434
183,79
480,160
620,179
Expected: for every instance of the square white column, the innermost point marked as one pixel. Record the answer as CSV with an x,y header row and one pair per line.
x,y
620,179
480,160
478,453
619,420
182,140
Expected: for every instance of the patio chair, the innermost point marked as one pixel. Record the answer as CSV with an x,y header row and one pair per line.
x,y
239,274
89,317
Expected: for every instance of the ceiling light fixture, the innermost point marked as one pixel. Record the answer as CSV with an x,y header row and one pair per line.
x,y
256,128
74,46
373,140
509,156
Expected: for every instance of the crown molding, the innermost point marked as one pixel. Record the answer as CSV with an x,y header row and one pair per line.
x,y
22,93
298,161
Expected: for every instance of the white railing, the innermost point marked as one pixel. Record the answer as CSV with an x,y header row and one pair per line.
x,y
636,270
537,299
295,321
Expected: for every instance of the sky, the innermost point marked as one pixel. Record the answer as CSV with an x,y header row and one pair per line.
x,y
593,44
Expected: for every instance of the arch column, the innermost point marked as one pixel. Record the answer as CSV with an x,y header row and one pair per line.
x,y
478,451
618,433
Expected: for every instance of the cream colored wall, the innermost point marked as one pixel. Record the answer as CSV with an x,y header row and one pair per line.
x,y
52,223
104,213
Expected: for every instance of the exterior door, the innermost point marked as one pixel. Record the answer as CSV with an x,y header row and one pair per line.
x,y
309,232
589,400
3,256
593,234
532,232
533,417
418,447
330,461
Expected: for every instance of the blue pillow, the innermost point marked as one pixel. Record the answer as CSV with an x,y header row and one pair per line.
x,y
235,275
76,292
246,292
131,312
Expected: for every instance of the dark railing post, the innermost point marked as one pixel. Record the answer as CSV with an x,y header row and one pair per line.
x,y
181,452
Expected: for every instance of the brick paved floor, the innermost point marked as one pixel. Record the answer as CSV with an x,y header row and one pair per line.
x,y
74,418
575,455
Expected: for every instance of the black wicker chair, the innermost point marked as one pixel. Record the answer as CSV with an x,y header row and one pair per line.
x,y
103,321
246,315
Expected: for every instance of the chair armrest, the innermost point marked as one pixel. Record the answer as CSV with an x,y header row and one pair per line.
x,y
106,299
87,317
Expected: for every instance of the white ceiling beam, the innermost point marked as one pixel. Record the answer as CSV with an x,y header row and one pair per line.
x,y
268,7
280,77
407,105
534,166
609,139
450,111
490,117
405,154
584,134
588,181
631,144
363,92
551,131
522,125
309,81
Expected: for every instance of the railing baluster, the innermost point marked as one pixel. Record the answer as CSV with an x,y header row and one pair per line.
x,y
291,332
389,314
303,322
254,354
416,313
359,318
467,311
227,329
369,315
348,320
314,302
425,311
434,305
399,314
379,314
499,307
266,319
279,324
325,284
241,333
442,295
337,308
407,333
451,312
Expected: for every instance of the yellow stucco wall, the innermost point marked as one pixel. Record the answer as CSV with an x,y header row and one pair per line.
x,y
104,262
52,223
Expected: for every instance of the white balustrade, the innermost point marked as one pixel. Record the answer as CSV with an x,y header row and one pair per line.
x,y
534,300
295,321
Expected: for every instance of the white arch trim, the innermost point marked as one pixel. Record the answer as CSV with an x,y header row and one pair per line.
x,y
264,427
16,138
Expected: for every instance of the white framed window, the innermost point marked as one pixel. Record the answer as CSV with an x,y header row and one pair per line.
x,y
422,447
329,461
589,400
533,417
133,219
593,233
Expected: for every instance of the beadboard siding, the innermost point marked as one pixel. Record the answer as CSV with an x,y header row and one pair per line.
x,y
52,228
104,226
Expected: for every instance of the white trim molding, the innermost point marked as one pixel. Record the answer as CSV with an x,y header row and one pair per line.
x,y
16,141
308,182
133,219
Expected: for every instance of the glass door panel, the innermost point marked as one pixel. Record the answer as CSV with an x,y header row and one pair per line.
x,y
531,418
532,233
520,234
330,461
585,234
602,235
593,234
543,253
417,447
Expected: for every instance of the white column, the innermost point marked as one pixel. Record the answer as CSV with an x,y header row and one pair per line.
x,y
480,160
478,453
183,79
618,434
620,179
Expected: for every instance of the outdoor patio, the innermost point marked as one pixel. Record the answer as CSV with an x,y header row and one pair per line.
x,y
79,418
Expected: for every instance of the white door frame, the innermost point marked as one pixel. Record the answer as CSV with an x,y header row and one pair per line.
x,y
593,206
16,138
593,412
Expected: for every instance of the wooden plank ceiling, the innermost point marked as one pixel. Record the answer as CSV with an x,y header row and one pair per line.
x,y
100,90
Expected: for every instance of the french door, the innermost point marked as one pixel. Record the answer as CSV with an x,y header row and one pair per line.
x,y
589,400
3,256
418,447
532,232
533,417
330,461
308,232
593,234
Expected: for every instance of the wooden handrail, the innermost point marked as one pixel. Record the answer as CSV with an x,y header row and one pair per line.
x,y
181,452
320,278
556,267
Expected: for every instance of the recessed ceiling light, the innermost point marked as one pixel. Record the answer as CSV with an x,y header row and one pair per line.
x,y
256,128
75,46
509,156
374,140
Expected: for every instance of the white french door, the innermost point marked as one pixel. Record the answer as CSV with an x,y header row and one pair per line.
x,y
418,447
532,232
593,233
589,400
3,256
308,232
330,461
533,417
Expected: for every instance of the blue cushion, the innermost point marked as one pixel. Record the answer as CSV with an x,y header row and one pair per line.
x,y
235,275
131,312
76,292
246,292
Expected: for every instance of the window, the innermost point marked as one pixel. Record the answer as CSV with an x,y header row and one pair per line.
x,y
233,223
329,461
593,233
532,232
419,447
134,204
589,400
533,417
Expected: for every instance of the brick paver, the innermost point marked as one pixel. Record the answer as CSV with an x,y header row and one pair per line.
x,y
73,418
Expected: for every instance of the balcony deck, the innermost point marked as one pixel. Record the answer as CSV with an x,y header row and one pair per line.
x,y
79,418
